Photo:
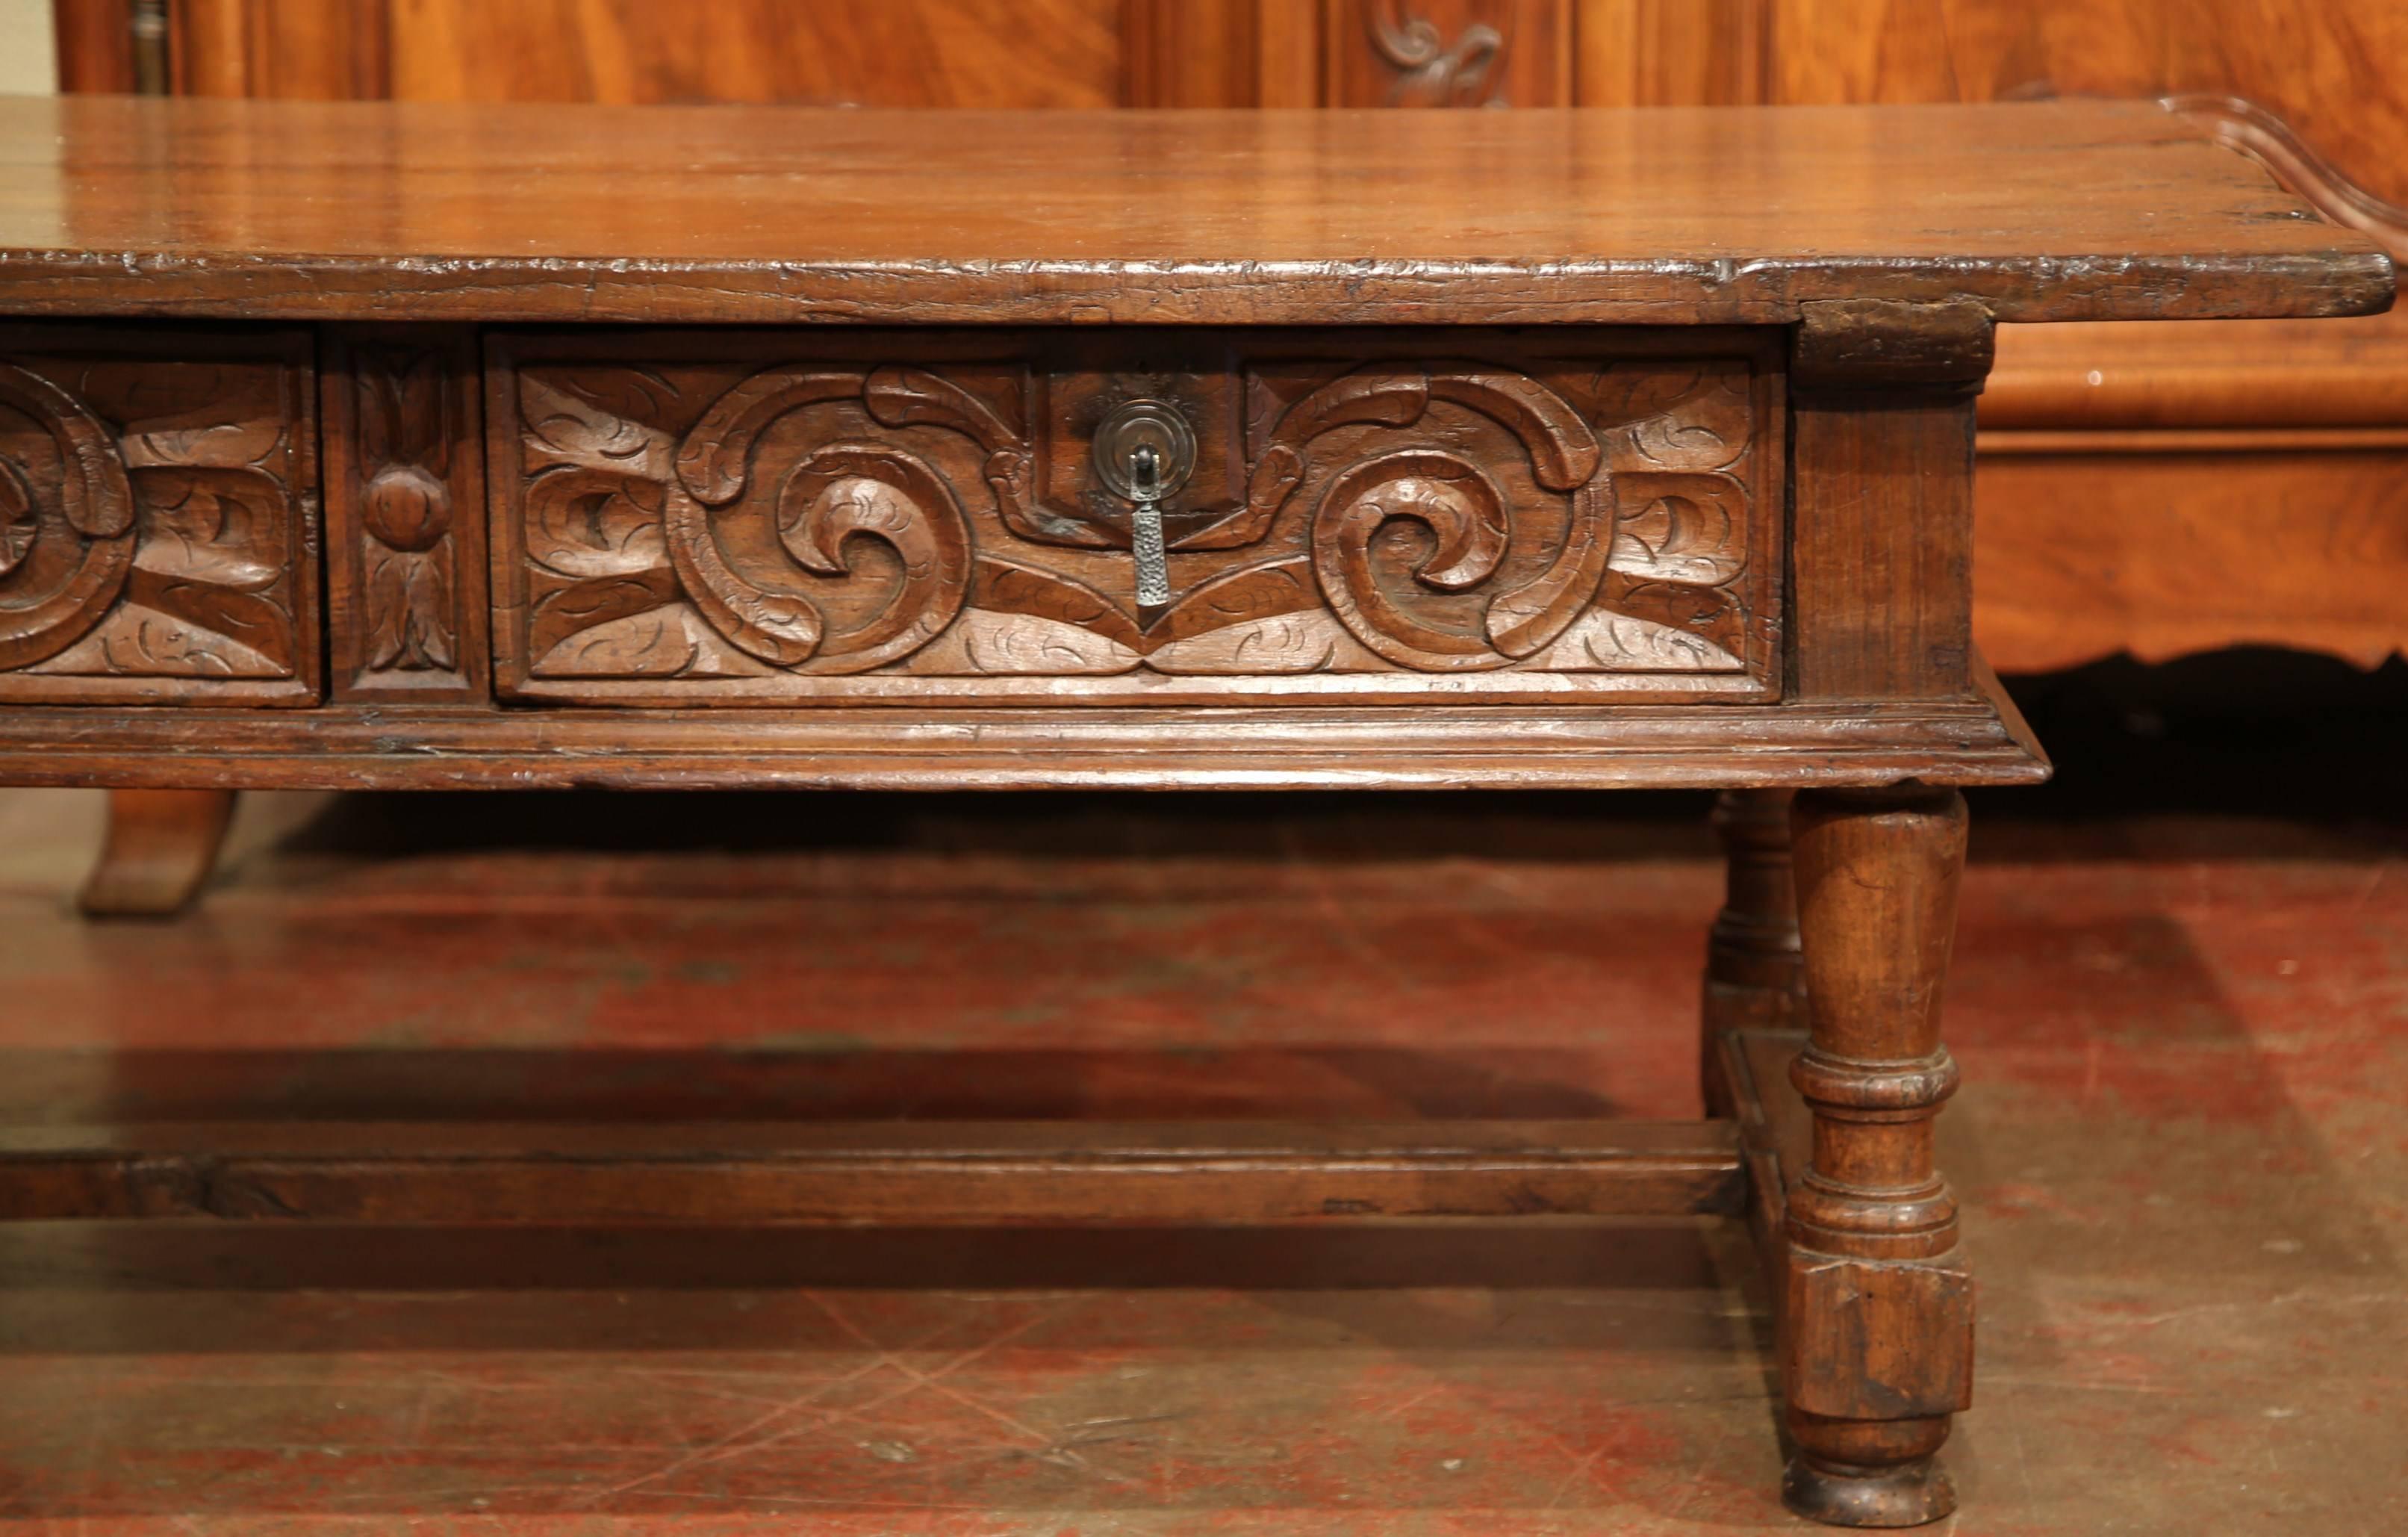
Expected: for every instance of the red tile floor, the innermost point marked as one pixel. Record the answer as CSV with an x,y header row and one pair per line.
x,y
2183,1148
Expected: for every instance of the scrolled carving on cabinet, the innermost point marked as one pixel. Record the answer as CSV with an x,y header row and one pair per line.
x,y
405,553
1430,69
154,521
1479,528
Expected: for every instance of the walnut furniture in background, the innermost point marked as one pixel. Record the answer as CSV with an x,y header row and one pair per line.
x,y
425,446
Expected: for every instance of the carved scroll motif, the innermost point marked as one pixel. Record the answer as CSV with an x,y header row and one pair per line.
x,y
1429,70
831,519
147,530
64,560
831,494
1459,504
623,499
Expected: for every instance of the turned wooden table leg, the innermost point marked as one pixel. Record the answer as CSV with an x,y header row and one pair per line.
x,y
1877,1308
162,846
1753,976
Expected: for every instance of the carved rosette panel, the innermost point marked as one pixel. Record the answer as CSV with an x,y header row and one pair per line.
x,y
403,492
154,522
1470,526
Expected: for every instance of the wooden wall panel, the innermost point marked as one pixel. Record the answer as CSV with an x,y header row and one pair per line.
x,y
2219,375
2080,555
1197,52
868,53
1288,61
96,43
2332,69
314,50
1669,53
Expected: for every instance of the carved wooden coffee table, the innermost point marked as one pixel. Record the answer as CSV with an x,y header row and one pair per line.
x,y
430,448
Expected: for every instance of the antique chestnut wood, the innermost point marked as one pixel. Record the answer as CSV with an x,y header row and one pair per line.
x,y
421,448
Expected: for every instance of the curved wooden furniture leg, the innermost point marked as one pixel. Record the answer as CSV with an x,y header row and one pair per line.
x,y
1877,1307
162,846
1754,979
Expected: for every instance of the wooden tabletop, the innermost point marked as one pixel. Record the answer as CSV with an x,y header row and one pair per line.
x,y
2086,210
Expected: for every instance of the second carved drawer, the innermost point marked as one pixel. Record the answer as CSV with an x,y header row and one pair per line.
x,y
834,516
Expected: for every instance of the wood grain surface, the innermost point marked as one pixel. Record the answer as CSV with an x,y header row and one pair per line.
x,y
841,1172
1881,475
2320,64
1877,1305
1034,53
1429,746
2168,552
2053,211
2231,374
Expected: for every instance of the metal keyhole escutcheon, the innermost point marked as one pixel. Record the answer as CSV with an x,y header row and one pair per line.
x,y
1144,452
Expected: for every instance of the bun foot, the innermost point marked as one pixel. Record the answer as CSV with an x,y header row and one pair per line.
x,y
1906,1494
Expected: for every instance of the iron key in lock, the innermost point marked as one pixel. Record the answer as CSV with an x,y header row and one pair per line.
x,y
1145,528
1144,451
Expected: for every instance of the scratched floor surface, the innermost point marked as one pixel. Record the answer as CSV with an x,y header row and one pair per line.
x,y
2183,1147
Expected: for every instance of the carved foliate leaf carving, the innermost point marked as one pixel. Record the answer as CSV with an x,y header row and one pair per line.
x,y
856,526
403,488
151,539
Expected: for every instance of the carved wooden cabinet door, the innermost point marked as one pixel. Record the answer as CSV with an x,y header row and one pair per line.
x,y
158,517
799,517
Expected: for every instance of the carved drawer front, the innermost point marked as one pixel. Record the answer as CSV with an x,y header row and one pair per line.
x,y
855,516
157,510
